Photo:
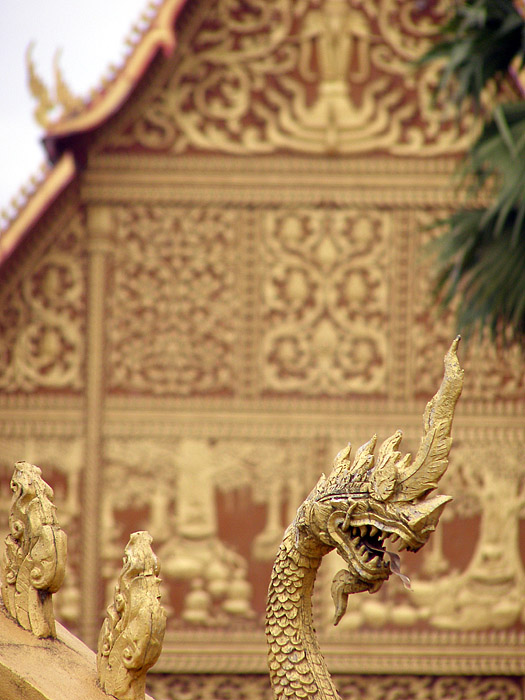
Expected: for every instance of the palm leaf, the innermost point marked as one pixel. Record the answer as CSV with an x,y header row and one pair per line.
x,y
479,43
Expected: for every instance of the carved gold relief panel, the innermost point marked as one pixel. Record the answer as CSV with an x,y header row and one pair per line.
x,y
326,286
216,509
174,305
357,687
42,319
309,77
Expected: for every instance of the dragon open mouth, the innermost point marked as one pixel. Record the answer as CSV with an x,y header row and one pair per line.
x,y
372,559
367,543
370,563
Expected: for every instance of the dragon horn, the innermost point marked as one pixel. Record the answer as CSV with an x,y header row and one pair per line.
x,y
429,465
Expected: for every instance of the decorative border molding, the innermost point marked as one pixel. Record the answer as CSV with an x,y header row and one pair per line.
x,y
381,165
354,191
144,409
174,418
436,653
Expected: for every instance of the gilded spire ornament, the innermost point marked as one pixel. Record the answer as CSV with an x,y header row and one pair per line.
x,y
360,506
35,553
59,102
131,637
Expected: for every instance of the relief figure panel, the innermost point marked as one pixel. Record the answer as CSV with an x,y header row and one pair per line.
x,y
216,510
307,77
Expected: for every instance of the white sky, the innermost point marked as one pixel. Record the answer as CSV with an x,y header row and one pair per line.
x,y
91,35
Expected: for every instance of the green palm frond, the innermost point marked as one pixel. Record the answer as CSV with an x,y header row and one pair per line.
x,y
485,274
500,152
479,43
480,260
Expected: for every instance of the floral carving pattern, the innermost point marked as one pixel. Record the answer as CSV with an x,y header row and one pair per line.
x,y
325,299
174,303
42,320
226,687
319,77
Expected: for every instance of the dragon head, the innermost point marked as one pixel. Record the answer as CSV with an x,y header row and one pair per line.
x,y
367,501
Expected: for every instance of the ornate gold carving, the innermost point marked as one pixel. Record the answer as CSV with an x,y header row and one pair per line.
x,y
429,688
62,459
42,322
356,687
310,77
326,293
35,553
177,483
174,301
490,592
131,637
354,511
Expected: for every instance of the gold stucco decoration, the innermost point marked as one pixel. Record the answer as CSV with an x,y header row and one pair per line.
x,y
362,504
35,553
353,687
310,77
131,637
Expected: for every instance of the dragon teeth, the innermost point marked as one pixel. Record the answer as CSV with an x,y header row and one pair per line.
x,y
373,530
363,529
394,538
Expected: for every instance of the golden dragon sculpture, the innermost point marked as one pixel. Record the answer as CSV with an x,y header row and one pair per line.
x,y
361,505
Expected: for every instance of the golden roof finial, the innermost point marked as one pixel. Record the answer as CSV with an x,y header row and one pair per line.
x,y
60,100
38,90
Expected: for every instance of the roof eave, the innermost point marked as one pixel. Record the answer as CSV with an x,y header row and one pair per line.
x,y
160,36
57,180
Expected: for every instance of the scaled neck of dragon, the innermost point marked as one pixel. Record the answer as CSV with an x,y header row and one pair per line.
x,y
297,667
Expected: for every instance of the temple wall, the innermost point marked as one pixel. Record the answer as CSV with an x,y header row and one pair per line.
x,y
233,289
